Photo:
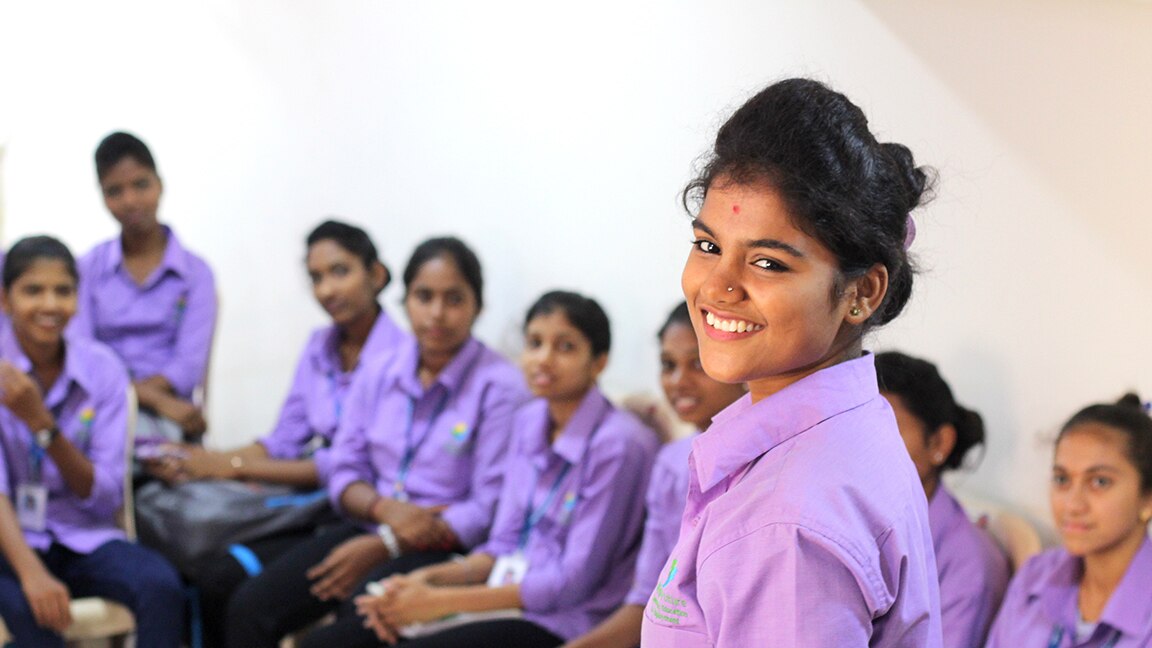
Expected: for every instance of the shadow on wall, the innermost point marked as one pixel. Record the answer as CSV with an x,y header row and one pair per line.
x,y
1064,83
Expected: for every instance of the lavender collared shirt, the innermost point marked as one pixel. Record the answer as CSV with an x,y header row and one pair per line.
x,y
973,572
667,490
89,401
457,429
806,526
1042,602
315,403
163,327
582,550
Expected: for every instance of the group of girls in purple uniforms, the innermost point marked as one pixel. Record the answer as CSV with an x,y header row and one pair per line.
x,y
480,505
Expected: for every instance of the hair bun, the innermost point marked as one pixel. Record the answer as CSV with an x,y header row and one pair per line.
x,y
1131,399
917,180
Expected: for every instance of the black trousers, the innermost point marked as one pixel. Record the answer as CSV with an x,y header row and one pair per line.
x,y
502,633
279,600
219,575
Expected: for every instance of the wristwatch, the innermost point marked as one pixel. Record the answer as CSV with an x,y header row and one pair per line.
x,y
45,437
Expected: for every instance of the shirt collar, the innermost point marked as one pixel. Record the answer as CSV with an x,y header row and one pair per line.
x,y
452,377
1130,606
175,257
384,335
574,440
746,430
74,371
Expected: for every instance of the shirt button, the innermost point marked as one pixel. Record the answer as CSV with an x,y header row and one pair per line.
x,y
695,520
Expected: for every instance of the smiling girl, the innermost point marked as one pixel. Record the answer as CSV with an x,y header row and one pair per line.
x,y
417,463
63,424
1093,592
147,296
806,524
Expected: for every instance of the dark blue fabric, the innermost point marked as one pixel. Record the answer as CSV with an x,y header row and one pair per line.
x,y
119,571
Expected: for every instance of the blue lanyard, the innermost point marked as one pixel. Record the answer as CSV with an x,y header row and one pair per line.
x,y
532,517
36,462
411,445
1057,636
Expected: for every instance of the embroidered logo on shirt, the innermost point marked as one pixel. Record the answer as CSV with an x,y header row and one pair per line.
x,y
181,306
85,433
459,438
567,507
663,606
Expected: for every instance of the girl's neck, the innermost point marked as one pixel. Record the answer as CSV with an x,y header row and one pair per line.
x,y
560,413
144,241
432,363
47,362
354,336
762,388
1103,573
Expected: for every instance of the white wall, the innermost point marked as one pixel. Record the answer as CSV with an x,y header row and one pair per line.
x,y
554,138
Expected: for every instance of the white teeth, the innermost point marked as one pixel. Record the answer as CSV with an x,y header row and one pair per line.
x,y
731,326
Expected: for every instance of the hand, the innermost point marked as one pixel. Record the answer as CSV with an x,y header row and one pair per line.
x,y
168,469
406,601
417,528
49,601
365,607
23,398
199,463
185,414
345,566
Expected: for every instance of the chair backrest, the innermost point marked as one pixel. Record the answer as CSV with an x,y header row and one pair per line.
x,y
126,517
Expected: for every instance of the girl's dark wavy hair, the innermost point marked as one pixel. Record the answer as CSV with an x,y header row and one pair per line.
x,y
843,187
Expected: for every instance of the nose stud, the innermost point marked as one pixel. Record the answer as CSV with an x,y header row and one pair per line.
x,y
729,288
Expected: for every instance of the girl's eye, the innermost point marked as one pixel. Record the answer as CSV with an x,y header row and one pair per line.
x,y
112,192
667,366
769,264
1059,480
339,270
455,299
532,343
706,246
142,184
1101,482
566,346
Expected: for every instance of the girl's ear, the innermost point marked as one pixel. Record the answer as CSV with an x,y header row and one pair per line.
x,y
379,275
598,365
865,293
941,444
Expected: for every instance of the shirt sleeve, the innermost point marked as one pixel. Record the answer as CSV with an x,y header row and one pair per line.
x,y
471,519
349,460
1012,621
106,444
967,602
189,362
292,432
797,592
661,529
605,526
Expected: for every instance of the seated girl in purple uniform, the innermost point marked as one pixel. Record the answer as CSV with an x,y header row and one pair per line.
x,y
805,522
63,425
973,570
416,464
1094,591
347,277
696,398
148,297
568,524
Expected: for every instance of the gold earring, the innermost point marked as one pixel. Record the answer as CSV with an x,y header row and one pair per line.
x,y
1146,516
855,311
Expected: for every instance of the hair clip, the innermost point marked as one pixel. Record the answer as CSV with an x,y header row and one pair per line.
x,y
1147,407
910,228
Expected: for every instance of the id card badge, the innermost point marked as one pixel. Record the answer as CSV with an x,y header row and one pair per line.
x,y
508,570
32,506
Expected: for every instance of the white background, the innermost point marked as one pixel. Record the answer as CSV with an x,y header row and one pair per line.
x,y
554,138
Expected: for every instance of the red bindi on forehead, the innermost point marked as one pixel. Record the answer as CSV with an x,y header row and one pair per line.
x,y
735,208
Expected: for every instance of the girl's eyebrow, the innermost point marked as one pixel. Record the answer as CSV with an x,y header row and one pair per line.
x,y
771,244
